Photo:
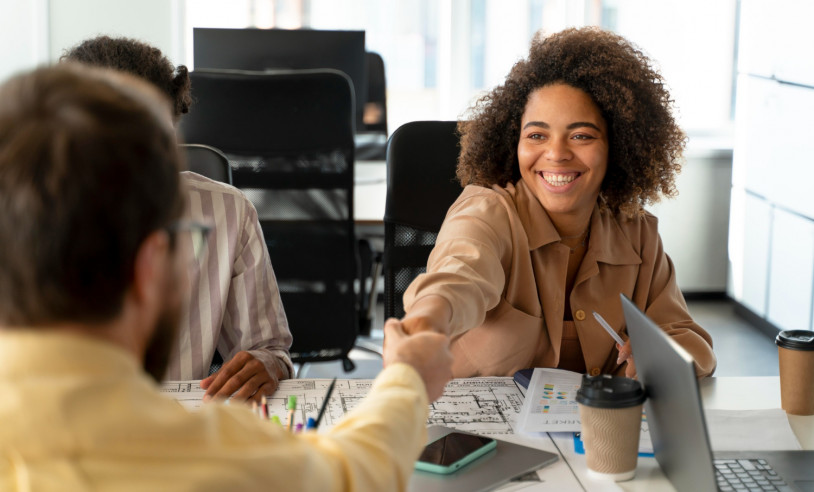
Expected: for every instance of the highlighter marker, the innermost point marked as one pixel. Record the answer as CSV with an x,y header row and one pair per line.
x,y
292,406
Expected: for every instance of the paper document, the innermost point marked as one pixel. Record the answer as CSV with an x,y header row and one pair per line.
x,y
551,404
768,430
487,406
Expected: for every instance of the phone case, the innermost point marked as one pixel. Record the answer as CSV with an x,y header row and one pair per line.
x,y
446,470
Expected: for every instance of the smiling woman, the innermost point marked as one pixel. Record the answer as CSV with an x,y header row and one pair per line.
x,y
563,154
557,164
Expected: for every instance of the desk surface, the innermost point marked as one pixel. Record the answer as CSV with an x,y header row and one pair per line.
x,y
496,403
369,192
732,393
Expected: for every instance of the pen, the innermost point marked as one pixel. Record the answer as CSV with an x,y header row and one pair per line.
x,y
608,328
264,407
311,423
325,403
292,406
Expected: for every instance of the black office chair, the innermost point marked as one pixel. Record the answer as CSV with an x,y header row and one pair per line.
x,y
289,137
208,161
421,185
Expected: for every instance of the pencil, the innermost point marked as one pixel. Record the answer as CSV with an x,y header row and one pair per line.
x,y
604,324
325,403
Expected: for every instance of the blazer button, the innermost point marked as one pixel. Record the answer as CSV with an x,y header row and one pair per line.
x,y
595,371
579,315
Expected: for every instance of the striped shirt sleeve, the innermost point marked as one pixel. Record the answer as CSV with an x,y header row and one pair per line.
x,y
234,298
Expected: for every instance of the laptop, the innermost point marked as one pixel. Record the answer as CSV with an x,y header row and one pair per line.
x,y
678,429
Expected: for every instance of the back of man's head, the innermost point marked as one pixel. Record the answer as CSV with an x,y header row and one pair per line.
x,y
89,167
140,59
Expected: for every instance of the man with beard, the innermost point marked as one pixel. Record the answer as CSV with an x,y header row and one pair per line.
x,y
92,276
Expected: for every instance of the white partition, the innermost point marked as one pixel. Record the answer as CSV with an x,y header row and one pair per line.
x,y
754,264
791,277
772,225
776,40
776,142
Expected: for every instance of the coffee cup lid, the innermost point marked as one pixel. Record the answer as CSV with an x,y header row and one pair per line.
x,y
795,339
606,391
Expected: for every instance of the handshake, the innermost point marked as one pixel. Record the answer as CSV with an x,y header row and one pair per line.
x,y
426,351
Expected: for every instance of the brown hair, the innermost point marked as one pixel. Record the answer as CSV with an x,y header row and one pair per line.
x,y
645,143
140,59
89,167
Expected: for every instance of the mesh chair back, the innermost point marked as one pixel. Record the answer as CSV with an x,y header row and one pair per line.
x,y
421,185
208,161
289,137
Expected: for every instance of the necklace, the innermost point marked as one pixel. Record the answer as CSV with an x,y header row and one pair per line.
x,y
584,235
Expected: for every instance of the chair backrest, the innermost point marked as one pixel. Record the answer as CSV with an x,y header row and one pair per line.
x,y
376,91
208,161
421,185
289,137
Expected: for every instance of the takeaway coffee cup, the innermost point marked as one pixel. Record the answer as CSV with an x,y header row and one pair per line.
x,y
796,353
610,409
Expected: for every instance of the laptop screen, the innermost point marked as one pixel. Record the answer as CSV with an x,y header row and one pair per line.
x,y
673,407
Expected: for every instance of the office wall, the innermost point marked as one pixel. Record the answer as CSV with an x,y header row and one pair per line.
x,y
694,226
158,22
23,35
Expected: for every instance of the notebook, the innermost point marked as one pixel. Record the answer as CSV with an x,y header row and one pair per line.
x,y
678,429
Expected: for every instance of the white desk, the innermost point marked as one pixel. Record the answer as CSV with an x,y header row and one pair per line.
x,y
570,472
733,393
369,192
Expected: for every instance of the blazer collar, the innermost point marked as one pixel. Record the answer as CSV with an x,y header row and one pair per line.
x,y
608,244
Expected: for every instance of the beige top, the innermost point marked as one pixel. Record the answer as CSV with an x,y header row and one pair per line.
x,y
499,263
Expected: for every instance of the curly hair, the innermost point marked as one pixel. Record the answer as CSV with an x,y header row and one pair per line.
x,y
139,59
645,142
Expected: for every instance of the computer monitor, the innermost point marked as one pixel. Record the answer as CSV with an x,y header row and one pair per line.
x,y
263,49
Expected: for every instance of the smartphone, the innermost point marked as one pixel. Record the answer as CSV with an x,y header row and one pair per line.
x,y
453,451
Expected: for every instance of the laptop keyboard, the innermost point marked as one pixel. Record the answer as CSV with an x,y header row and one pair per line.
x,y
751,475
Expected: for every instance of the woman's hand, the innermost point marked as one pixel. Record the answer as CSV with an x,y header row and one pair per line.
x,y
626,355
431,313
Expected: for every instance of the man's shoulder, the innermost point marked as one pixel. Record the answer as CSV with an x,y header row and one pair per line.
x,y
209,190
201,184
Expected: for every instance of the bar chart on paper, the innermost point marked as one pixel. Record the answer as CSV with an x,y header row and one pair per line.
x,y
551,404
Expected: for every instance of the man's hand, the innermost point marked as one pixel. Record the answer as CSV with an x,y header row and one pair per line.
x,y
626,354
428,352
244,376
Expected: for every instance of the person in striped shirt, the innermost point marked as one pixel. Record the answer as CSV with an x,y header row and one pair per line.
x,y
234,305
